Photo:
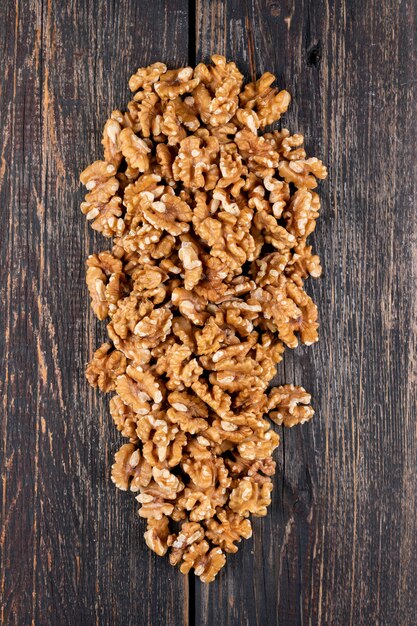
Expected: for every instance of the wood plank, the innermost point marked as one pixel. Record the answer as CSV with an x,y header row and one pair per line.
x,y
72,550
337,545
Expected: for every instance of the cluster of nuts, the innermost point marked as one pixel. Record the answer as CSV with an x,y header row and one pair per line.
x,y
203,288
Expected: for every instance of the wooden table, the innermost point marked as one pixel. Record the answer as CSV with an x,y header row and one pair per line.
x,y
339,544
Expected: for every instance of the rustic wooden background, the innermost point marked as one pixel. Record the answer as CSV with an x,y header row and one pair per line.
x,y
339,545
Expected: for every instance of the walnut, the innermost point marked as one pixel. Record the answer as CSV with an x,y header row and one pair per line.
x,y
106,365
306,322
250,497
101,204
155,452
157,534
229,528
129,312
223,132
180,370
207,488
302,264
229,238
269,268
170,213
116,289
302,173
110,141
247,118
153,328
133,199
145,114
167,482
186,114
134,149
190,305
214,397
147,382
194,160
165,158
210,338
183,329
289,405
290,146
131,347
146,77
174,83
206,563
130,470
273,233
268,104
171,125
191,532
188,411
203,288
216,97
147,279
291,310
96,282
279,194
193,267
106,283
301,214
153,505
231,166
156,497
221,431
259,445
260,471
124,417
133,395
259,153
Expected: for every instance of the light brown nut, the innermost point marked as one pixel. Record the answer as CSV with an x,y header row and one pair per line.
x,y
153,328
101,205
250,497
193,267
194,160
206,563
303,173
157,535
106,365
146,77
268,103
134,149
289,405
110,141
170,213
174,83
124,417
130,470
145,114
230,528
191,532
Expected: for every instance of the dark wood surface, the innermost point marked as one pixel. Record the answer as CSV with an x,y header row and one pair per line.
x,y
339,545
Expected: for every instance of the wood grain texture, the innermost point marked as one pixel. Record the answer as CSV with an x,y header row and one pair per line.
x,y
339,544
72,549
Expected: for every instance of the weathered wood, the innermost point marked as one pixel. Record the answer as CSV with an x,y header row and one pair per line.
x,y
337,545
72,550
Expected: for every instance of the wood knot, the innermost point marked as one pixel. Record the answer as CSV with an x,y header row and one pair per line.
x,y
314,55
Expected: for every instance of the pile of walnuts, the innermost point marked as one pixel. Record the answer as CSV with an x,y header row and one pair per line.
x,y
203,288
